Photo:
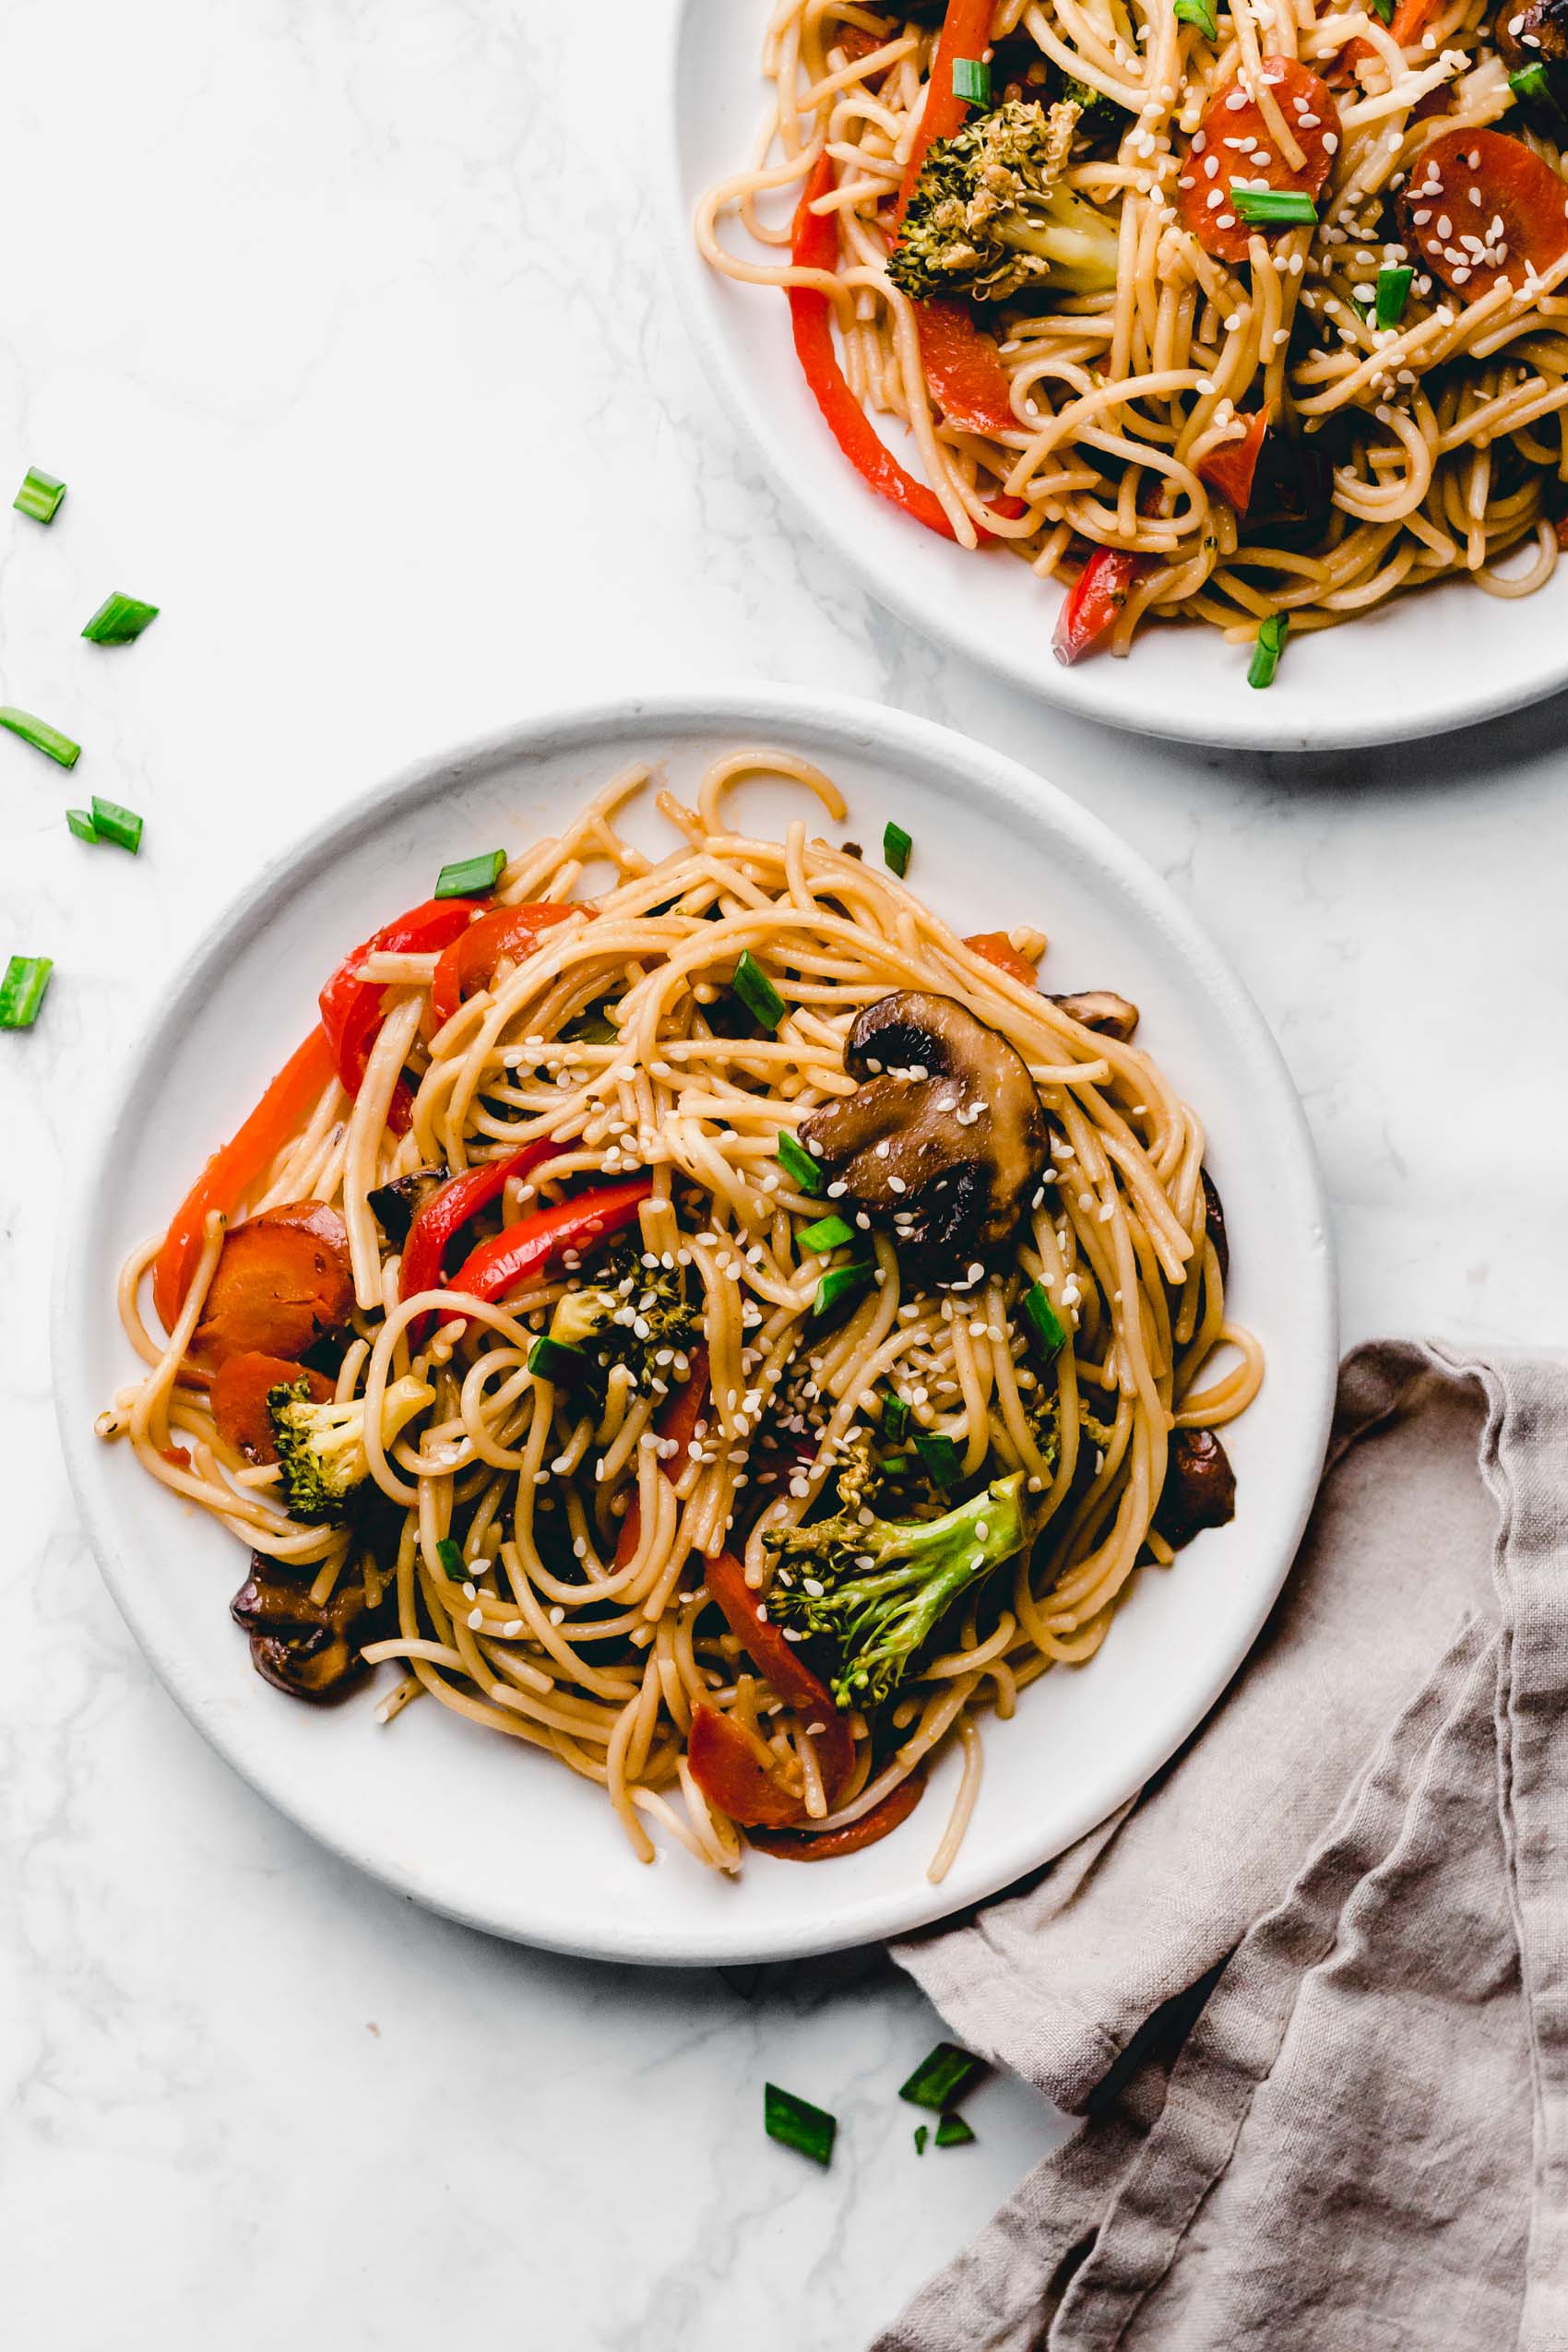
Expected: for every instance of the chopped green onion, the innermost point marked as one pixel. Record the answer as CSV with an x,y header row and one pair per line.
x,y
1393,292
828,1233
943,2076
1046,1323
450,1555
111,823
895,848
895,1419
839,1282
897,1464
1199,13
547,1359
940,1456
797,1163
1383,9
21,991
757,993
922,2133
952,2133
472,877
40,735
1271,208
38,497
797,2123
1530,82
119,618
590,1029
1269,646
971,80
81,825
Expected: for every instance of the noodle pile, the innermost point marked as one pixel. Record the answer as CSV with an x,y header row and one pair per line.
x,y
1443,430
615,1038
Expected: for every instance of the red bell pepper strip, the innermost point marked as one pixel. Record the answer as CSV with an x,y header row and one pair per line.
x,y
470,963
1230,469
791,1846
677,1418
1411,18
1094,601
732,1775
780,1663
998,949
527,1248
968,380
233,1170
350,1007
966,32
447,1211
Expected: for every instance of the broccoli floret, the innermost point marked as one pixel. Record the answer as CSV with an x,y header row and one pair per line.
x,y
631,1315
878,1591
988,216
321,1447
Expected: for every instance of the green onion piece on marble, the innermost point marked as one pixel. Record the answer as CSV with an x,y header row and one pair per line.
x,y
1266,651
798,1166
841,1282
38,497
922,2133
1199,13
1393,292
21,989
1044,1321
472,877
938,1454
40,735
971,80
942,2077
113,823
119,618
757,993
1271,208
450,1555
952,2133
547,1359
81,824
797,2124
828,1233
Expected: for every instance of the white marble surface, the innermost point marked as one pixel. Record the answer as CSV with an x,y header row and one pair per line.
x,y
346,326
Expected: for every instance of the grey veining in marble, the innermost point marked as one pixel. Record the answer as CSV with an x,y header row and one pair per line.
x,y
346,326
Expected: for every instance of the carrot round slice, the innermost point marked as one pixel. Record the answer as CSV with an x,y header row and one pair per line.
x,y
1480,208
800,1845
1234,142
241,1387
283,1282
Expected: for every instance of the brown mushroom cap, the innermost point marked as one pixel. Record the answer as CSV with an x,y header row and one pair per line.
x,y
944,1139
1532,32
1199,1489
395,1205
1101,1009
310,1650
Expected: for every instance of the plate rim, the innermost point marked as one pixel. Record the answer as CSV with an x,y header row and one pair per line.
x,y
745,710
1096,691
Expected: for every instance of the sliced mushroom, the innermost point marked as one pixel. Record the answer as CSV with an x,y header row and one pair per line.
x,y
1199,1489
944,1138
395,1205
1101,1009
310,1650
1214,1219
1534,32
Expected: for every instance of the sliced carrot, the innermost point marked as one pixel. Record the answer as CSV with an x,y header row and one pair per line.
x,y
1482,210
241,1387
283,1282
998,949
1234,142
826,1846
786,1670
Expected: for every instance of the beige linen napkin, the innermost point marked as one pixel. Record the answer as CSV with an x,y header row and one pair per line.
x,y
1362,1859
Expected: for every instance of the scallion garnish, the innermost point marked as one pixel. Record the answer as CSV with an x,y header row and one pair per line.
x,y
1043,1320
1267,649
1271,208
828,1233
840,1282
81,824
40,735
111,823
895,1464
548,1359
1384,9
895,1419
943,2076
1393,292
952,2133
757,993
798,1166
450,1555
590,1029
119,618
971,80
938,1454
1530,82
21,991
1196,12
895,848
797,2123
38,497
472,877
922,2133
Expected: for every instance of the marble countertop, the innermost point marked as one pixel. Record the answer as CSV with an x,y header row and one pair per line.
x,y
358,356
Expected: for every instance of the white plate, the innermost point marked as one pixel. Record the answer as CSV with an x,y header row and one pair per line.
x,y
1445,659
494,1833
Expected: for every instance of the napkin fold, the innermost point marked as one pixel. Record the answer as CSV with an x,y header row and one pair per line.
x,y
1310,1988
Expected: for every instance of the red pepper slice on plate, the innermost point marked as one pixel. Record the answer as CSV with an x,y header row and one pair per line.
x,y
1230,467
1231,116
235,1167
1094,601
781,1664
791,1846
967,377
1458,186
470,963
447,1211
532,1245
732,1775
350,1007
998,949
